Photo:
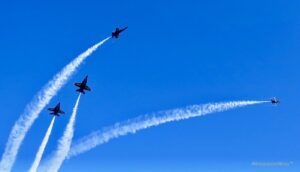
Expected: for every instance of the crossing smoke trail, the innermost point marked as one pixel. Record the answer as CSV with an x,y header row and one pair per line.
x,y
64,143
132,126
41,150
33,109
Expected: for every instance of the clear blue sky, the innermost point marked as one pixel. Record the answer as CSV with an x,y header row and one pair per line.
x,y
174,53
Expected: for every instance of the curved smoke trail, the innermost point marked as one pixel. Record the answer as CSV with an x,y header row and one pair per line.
x,y
64,143
132,126
41,150
33,109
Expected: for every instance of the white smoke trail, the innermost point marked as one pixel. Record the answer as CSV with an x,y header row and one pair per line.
x,y
33,109
132,126
41,150
64,143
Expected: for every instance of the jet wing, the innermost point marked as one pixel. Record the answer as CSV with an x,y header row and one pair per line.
x,y
62,112
123,29
78,84
87,88
55,114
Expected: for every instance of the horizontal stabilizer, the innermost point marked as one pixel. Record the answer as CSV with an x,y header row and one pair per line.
x,y
80,91
55,114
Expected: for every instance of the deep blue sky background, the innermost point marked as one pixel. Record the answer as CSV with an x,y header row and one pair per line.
x,y
173,54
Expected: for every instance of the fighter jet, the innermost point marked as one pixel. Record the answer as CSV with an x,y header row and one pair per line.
x,y
56,110
117,32
274,100
82,86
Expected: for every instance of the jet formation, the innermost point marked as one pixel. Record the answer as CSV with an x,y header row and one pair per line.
x,y
82,86
56,111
